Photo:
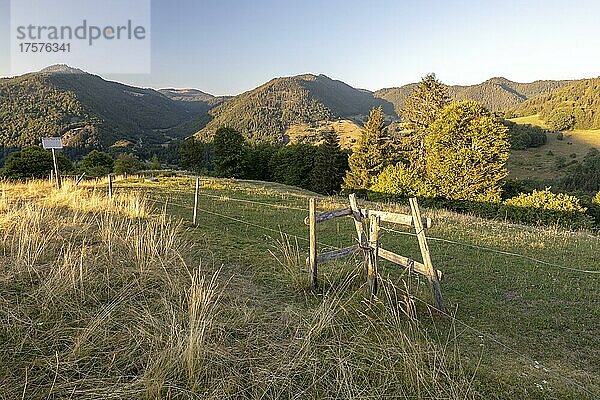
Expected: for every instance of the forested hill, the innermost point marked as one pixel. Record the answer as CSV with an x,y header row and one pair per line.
x,y
193,99
574,106
87,110
496,94
266,112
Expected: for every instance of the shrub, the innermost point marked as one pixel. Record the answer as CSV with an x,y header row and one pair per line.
x,y
596,199
522,137
561,120
33,162
584,176
400,180
127,164
543,206
96,163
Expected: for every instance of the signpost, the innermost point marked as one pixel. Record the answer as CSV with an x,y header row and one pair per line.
x,y
53,143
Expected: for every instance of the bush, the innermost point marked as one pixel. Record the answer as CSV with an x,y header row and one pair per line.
x,y
522,137
96,164
127,164
561,120
33,162
584,176
401,181
543,206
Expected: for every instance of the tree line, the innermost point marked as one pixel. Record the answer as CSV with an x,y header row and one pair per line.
x,y
318,168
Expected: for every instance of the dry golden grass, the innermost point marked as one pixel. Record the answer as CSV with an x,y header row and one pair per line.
x,y
104,298
349,132
541,162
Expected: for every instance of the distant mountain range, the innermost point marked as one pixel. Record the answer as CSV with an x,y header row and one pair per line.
x,y
90,112
86,110
496,94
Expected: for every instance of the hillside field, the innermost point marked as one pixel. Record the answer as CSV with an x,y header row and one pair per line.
x,y
126,298
541,162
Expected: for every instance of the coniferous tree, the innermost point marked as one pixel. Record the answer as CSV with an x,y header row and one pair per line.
x,y
328,170
371,154
229,151
421,108
467,148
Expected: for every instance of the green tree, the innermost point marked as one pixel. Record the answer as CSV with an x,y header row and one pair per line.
x,y
371,154
155,163
229,152
127,164
328,170
96,163
33,162
466,150
192,154
258,157
292,165
420,110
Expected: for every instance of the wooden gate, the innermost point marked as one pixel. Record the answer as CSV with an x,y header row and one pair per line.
x,y
367,224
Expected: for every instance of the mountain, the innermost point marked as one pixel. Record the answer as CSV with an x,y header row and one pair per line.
x,y
496,94
194,100
579,102
266,113
85,109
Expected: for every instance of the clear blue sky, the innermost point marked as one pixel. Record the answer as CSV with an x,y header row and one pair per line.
x,y
226,46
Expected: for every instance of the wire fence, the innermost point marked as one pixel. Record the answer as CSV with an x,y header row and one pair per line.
x,y
280,231
430,238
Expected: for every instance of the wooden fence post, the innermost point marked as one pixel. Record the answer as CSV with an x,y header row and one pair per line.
x,y
373,254
110,186
196,200
432,277
312,255
56,172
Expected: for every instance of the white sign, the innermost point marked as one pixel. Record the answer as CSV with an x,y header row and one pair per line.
x,y
52,143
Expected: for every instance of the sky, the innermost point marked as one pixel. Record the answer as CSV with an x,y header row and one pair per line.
x,y
225,47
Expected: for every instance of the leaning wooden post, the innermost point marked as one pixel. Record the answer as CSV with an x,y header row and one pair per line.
x,y
110,186
195,219
312,254
432,277
373,254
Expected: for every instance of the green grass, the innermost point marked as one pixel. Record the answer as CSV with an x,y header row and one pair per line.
x,y
539,323
541,162
117,306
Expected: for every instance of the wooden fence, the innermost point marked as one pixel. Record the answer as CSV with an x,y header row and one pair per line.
x,y
367,224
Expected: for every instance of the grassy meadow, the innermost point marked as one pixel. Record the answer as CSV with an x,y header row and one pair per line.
x,y
126,298
543,162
